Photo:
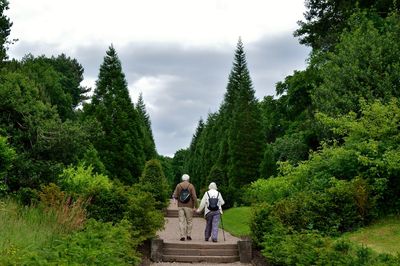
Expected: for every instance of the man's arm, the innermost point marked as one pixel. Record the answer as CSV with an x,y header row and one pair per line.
x,y
176,193
194,196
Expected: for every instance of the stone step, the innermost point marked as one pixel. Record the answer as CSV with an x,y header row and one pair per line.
x,y
201,252
207,259
206,245
196,252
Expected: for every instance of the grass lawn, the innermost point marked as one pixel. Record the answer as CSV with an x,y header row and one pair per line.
x,y
236,221
382,236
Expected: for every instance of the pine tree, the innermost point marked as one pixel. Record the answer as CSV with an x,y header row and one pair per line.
x,y
120,148
242,121
5,29
147,134
228,147
153,180
194,161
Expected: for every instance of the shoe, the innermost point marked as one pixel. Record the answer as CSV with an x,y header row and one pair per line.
x,y
182,239
188,238
214,240
206,239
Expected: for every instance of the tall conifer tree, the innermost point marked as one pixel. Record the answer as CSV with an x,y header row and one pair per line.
x,y
228,147
121,148
149,146
243,124
5,30
194,160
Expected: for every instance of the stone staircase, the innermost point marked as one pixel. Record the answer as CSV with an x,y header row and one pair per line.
x,y
167,247
213,253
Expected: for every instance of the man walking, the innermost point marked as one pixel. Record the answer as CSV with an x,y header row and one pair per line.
x,y
185,193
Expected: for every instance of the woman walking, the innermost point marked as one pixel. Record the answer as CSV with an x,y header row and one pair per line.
x,y
211,202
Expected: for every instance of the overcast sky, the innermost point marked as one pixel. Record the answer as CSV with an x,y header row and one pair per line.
x,y
178,53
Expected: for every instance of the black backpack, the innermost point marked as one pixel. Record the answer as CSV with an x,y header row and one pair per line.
x,y
213,203
184,195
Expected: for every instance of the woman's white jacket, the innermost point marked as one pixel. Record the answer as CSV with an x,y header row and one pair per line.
x,y
205,201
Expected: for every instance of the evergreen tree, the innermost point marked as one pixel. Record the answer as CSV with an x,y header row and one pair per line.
x,y
72,76
179,166
244,127
194,161
228,148
121,148
148,140
5,29
153,180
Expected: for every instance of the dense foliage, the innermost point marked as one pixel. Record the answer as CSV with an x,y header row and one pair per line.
x,y
69,173
319,159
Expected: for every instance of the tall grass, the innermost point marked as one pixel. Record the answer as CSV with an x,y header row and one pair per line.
x,y
26,230
69,215
23,230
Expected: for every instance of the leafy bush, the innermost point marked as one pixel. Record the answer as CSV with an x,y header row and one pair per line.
x,y
268,190
130,203
81,180
110,205
310,248
27,196
97,244
141,212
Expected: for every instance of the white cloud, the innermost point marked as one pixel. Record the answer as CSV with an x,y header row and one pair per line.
x,y
153,89
178,53
189,22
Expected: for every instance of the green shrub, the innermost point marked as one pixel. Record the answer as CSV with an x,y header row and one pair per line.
x,y
141,212
343,206
27,196
97,244
130,203
81,180
110,205
282,247
268,190
262,222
